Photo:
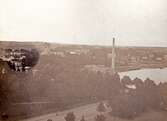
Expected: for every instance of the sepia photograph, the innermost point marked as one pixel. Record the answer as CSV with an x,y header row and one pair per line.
x,y
83,60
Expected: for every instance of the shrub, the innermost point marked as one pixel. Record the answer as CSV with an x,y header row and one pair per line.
x,y
100,118
70,116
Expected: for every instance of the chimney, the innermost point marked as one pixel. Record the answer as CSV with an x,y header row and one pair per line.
x,y
113,56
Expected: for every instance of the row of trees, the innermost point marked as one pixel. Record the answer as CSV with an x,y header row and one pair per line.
x,y
132,102
71,117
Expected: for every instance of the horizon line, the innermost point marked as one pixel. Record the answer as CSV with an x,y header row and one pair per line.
x,y
79,44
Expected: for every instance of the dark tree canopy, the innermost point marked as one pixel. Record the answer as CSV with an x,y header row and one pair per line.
x,y
100,117
21,59
101,107
70,117
83,118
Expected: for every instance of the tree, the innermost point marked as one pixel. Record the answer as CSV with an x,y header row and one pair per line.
x,y
138,83
127,106
4,85
101,107
70,116
83,118
100,118
151,95
113,85
49,120
126,80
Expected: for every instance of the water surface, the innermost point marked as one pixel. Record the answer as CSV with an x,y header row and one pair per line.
x,y
158,75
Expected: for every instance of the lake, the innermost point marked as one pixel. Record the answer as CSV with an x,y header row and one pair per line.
x,y
157,75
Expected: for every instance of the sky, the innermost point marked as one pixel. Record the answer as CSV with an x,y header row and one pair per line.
x,y
95,22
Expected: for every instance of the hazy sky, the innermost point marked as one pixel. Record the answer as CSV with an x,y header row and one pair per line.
x,y
132,22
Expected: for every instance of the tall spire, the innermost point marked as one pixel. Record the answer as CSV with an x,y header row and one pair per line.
x,y
113,56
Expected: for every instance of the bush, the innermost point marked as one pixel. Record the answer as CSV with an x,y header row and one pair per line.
x,y
100,118
101,107
83,118
70,116
126,106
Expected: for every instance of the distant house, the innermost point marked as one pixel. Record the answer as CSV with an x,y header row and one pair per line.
x,y
73,53
165,57
133,59
61,54
144,58
46,51
151,56
98,68
158,59
109,55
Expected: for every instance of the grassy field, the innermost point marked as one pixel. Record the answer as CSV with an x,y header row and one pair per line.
x,y
89,112
148,116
